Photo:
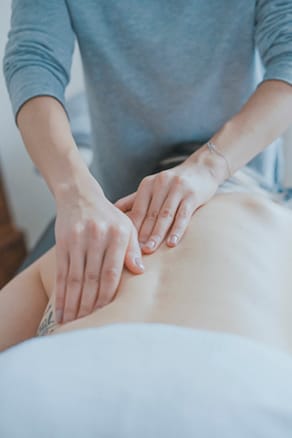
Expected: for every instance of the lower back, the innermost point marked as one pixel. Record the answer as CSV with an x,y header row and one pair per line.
x,y
230,273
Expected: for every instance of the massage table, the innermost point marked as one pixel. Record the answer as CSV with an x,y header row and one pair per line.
x,y
144,381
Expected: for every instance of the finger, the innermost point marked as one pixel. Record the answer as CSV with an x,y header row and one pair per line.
x,y
133,258
62,266
141,203
125,204
160,192
112,265
182,220
94,259
164,221
74,284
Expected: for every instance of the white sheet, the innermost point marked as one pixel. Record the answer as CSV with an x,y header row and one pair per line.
x,y
145,381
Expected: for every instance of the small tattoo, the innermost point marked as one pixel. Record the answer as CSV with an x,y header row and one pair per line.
x,y
48,322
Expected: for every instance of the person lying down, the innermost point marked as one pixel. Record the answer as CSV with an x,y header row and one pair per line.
x,y
231,273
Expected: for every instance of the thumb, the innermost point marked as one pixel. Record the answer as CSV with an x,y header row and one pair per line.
x,y
133,258
125,204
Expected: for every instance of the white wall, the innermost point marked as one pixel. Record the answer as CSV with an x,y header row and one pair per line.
x,y
31,203
288,157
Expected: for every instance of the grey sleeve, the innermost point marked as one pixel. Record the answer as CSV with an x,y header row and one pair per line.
x,y
273,37
39,50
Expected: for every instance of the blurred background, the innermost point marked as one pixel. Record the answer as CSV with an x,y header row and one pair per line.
x,y
31,204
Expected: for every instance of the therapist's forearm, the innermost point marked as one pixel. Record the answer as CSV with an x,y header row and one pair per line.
x,y
47,135
265,116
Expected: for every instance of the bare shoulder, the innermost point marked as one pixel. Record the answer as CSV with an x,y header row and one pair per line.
x,y
22,304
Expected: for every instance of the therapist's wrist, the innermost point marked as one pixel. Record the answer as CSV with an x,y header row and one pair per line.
x,y
76,182
215,164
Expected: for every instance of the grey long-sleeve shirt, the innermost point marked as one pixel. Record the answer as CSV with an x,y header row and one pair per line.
x,y
157,72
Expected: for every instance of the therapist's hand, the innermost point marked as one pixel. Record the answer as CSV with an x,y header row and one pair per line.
x,y
93,242
164,203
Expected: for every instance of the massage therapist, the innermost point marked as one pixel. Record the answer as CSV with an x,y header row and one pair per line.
x,y
157,73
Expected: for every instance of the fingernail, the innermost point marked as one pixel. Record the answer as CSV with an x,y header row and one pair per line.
x,y
139,263
173,239
150,244
59,316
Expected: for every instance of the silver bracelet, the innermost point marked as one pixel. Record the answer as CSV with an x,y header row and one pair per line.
x,y
213,148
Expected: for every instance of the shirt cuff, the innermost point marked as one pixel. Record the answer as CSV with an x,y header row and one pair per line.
x,y
32,81
282,72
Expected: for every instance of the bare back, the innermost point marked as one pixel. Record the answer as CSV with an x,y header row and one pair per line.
x,y
230,273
